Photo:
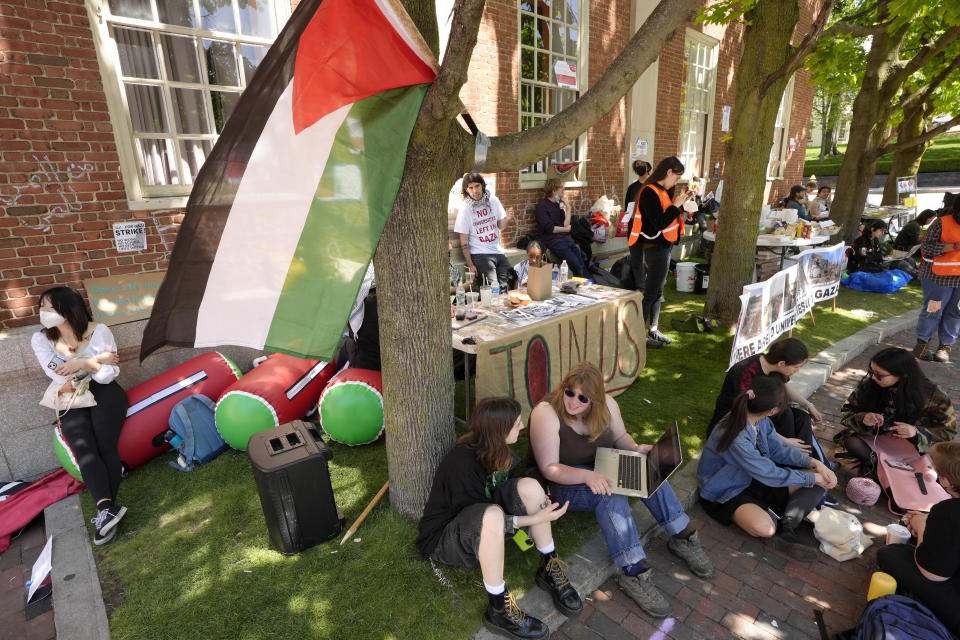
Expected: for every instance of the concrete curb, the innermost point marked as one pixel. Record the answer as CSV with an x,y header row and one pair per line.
x,y
590,566
79,613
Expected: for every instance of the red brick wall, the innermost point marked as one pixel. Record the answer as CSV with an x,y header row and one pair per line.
x,y
60,183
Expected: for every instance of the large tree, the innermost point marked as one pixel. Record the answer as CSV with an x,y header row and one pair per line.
x,y
414,307
767,61
934,26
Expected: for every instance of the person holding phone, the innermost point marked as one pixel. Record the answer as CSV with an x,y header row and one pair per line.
x,y
474,505
657,225
930,572
895,397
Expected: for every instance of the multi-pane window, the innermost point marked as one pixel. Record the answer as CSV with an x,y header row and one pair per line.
x,y
696,102
549,63
181,66
778,151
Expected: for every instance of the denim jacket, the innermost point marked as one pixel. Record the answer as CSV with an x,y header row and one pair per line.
x,y
757,454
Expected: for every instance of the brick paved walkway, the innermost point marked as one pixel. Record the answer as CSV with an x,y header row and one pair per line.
x,y
758,594
17,621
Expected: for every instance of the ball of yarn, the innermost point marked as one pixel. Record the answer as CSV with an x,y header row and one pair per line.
x,y
863,491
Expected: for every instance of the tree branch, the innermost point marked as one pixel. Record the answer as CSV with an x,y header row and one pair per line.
x,y
804,48
912,142
922,94
442,100
929,52
850,29
513,151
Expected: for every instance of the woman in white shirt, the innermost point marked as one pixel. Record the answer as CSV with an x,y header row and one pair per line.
x,y
71,347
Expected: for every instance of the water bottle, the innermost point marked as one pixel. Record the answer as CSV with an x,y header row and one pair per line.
x,y
495,292
555,276
461,296
564,272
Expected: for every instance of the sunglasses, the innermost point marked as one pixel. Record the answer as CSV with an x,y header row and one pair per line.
x,y
878,376
570,393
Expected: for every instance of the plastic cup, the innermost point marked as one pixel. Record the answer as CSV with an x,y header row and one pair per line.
x,y
897,534
486,296
472,298
461,312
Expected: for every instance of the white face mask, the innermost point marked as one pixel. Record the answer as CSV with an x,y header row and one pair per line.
x,y
51,319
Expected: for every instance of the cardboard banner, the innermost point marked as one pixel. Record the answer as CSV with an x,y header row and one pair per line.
x,y
528,363
771,308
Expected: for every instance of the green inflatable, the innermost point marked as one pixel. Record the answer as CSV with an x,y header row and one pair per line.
x,y
351,407
65,455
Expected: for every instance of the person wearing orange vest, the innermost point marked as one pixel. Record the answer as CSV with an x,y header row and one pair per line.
x,y
657,224
940,279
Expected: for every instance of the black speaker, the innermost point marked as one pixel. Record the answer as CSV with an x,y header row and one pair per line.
x,y
290,467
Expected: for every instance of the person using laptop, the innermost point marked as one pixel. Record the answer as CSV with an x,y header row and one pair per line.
x,y
749,477
566,429
474,504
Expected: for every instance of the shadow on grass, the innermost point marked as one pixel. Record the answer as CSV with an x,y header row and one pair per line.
x,y
192,558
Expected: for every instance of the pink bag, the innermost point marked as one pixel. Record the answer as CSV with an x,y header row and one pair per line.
x,y
902,486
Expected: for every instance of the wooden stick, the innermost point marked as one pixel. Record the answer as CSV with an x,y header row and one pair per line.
x,y
812,321
833,303
363,516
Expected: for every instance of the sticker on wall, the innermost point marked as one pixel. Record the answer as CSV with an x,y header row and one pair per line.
x,y
725,119
566,74
130,236
793,145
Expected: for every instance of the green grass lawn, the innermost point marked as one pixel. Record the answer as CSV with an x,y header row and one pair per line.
x,y
192,558
944,155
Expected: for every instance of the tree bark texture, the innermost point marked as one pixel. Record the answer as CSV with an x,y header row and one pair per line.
x,y
831,121
906,162
766,46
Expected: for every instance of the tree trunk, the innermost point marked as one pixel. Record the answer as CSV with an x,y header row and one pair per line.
x,y
829,134
871,113
766,46
906,162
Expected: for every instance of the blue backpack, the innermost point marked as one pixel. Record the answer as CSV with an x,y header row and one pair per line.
x,y
195,435
899,618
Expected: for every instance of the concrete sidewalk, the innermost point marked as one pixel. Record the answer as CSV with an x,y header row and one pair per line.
x,y
760,594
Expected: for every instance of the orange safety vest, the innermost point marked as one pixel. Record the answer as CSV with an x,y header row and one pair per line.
x,y
947,264
671,232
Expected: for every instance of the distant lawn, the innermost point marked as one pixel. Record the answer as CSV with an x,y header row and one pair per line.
x,y
192,559
944,155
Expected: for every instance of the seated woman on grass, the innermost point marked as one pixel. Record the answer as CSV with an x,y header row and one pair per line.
x,y
895,397
565,431
931,571
474,504
748,477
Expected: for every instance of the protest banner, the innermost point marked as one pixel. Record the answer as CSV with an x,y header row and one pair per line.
x,y
124,298
771,308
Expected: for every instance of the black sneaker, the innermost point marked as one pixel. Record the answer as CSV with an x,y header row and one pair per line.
x,y
105,523
830,500
789,543
653,343
552,577
511,622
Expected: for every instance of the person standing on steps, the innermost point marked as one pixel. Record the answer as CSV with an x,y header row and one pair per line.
x,y
940,280
657,225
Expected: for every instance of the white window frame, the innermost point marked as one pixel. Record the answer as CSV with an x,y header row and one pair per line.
x,y
779,147
141,196
530,180
712,45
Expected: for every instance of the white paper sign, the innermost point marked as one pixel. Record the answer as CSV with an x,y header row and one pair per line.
x,y
41,568
566,74
640,148
725,118
130,236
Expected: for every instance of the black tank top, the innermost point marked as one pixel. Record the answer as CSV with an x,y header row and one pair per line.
x,y
575,450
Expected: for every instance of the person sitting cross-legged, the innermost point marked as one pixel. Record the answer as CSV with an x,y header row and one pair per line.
x,y
565,430
474,504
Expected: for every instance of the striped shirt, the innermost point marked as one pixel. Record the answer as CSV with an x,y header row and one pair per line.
x,y
931,247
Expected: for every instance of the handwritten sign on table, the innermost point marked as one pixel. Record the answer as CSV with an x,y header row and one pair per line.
x,y
119,299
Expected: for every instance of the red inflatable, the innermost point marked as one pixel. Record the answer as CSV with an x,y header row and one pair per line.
x,y
151,402
280,390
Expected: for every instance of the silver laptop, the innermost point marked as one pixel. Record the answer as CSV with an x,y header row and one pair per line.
x,y
641,474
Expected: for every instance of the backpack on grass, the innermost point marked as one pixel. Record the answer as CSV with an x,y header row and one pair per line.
x,y
193,433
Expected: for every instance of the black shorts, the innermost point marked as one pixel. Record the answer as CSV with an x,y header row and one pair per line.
x,y
765,497
460,539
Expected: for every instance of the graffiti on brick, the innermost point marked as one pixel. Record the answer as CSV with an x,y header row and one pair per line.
x,y
48,180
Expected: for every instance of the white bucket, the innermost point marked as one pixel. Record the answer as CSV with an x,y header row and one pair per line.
x,y
686,276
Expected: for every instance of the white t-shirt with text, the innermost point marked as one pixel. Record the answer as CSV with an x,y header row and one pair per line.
x,y
478,219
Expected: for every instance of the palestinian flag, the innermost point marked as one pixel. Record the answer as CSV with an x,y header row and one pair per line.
x,y
288,209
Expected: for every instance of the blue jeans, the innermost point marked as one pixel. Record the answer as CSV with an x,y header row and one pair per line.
x,y
569,251
615,520
945,321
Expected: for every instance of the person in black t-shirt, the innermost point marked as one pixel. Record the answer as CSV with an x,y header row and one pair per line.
x,y
474,503
931,572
